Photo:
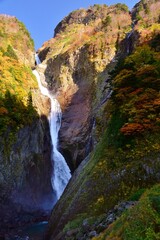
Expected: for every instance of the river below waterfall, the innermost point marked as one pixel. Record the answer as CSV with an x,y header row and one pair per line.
x,y
34,231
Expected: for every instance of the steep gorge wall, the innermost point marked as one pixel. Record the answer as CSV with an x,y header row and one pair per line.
x,y
119,166
25,172
76,61
25,144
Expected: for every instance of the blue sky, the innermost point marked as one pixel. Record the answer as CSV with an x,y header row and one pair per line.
x,y
41,17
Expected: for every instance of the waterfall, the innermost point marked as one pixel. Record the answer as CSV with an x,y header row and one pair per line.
x,y
61,173
37,59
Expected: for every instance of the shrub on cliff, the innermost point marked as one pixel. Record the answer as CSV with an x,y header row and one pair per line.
x,y
122,7
10,53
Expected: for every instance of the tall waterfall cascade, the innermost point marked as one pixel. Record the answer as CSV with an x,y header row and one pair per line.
x,y
61,172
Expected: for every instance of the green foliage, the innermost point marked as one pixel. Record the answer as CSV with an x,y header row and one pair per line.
x,y
75,223
142,56
2,50
155,43
138,17
122,7
113,132
10,53
147,9
107,21
14,114
136,196
97,6
2,34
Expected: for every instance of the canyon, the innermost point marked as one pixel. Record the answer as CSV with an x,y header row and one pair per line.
x,y
102,66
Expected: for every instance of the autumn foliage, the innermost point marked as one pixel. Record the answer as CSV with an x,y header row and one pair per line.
x,y
136,92
132,128
16,82
16,79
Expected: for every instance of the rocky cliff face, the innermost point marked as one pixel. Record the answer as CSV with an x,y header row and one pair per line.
x,y
126,159
25,148
85,43
25,172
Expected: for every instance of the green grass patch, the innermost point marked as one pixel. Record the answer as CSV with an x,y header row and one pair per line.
x,y
136,196
75,223
141,222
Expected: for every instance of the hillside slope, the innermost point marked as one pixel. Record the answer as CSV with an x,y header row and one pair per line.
x,y
126,159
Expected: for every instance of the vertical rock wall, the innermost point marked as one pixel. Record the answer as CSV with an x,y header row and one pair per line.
x,y
25,172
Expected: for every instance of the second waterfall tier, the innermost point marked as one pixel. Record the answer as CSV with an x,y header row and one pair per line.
x,y
61,172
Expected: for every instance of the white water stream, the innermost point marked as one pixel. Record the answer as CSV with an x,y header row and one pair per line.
x,y
61,173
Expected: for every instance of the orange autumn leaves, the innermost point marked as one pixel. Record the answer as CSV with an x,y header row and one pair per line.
x,y
136,91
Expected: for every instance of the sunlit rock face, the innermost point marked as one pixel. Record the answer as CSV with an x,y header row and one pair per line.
x,y
75,61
